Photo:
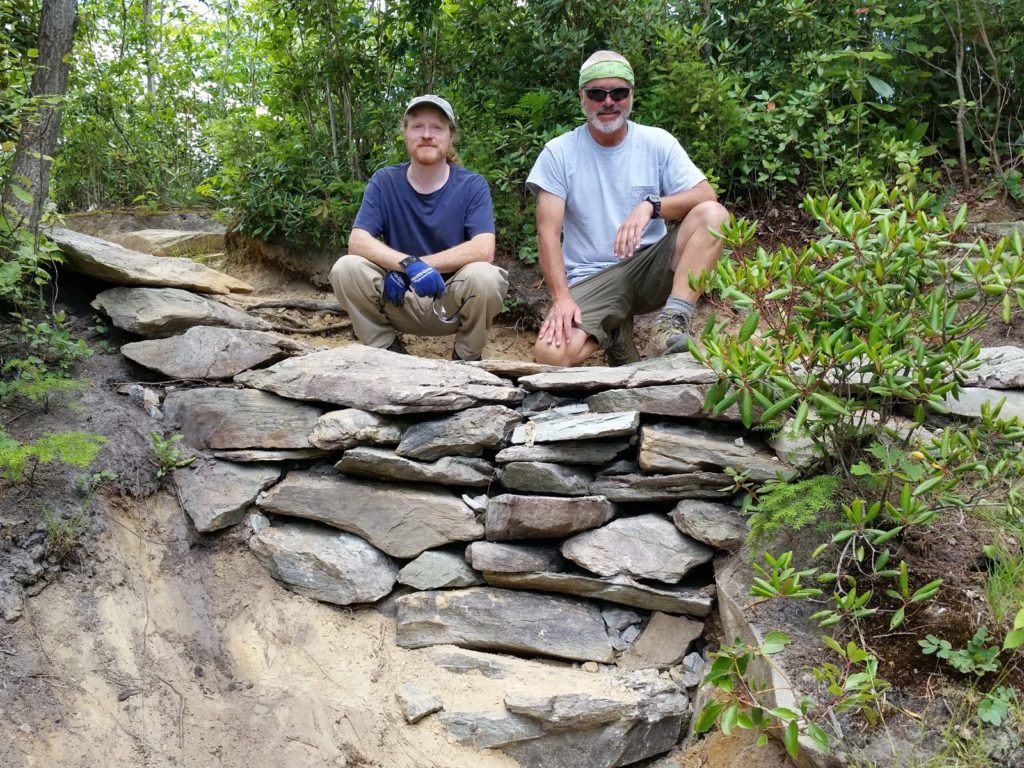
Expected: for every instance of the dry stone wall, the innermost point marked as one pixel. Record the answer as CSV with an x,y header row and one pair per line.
x,y
503,506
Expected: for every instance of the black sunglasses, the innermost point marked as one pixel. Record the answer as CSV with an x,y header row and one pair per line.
x,y
600,94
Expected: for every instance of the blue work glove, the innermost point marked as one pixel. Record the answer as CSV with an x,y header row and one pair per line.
x,y
395,286
423,278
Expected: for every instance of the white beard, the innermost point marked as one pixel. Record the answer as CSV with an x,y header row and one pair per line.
x,y
603,127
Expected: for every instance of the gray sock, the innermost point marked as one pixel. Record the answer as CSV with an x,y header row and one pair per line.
x,y
680,305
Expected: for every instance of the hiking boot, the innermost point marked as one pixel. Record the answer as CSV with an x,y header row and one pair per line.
x,y
669,334
460,359
397,346
622,350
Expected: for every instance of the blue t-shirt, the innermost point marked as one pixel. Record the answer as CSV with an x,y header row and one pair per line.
x,y
420,225
601,185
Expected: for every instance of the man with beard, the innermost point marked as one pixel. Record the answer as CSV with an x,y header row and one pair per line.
x,y
604,194
422,245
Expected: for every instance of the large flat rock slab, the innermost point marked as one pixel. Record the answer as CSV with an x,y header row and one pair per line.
x,y
387,465
643,547
237,419
512,516
485,618
401,520
669,448
667,369
212,353
624,591
356,376
171,242
324,564
161,312
116,264
216,494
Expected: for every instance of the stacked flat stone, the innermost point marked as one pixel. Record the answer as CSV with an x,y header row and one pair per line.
x,y
506,506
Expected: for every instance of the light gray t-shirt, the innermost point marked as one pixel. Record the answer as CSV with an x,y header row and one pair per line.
x,y
601,185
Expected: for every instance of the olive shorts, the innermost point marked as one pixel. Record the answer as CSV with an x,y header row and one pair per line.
x,y
636,285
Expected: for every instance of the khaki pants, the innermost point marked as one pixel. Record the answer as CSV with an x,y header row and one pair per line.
x,y
357,285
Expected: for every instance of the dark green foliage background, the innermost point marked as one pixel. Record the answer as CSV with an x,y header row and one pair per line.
x,y
280,110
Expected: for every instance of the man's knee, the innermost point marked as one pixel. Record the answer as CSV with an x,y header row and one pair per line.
x,y
710,214
548,354
486,280
353,274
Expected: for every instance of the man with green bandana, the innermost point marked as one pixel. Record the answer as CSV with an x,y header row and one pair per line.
x,y
624,218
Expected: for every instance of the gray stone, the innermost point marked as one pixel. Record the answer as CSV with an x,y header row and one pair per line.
x,y
171,242
1001,368
323,564
301,454
12,599
997,228
543,477
116,264
401,520
513,368
583,426
663,643
216,494
668,369
619,618
386,465
512,558
682,400
972,398
493,619
416,703
644,547
485,731
438,570
381,381
233,419
570,711
692,485
649,727
665,448
466,433
560,412
539,517
535,402
462,662
571,452
622,590
718,525
350,427
162,312
212,353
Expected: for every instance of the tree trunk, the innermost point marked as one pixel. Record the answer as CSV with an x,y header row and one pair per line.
x,y
30,169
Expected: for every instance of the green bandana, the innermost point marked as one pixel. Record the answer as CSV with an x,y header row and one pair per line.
x,y
602,69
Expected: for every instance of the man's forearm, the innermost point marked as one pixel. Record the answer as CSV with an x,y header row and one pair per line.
x,y
478,248
362,243
675,207
552,266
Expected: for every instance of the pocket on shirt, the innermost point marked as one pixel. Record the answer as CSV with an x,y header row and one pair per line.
x,y
639,193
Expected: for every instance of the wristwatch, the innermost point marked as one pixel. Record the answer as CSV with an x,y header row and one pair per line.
x,y
655,201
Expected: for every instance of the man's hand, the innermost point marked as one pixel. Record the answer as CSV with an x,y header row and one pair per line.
x,y
395,286
627,239
557,327
423,278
